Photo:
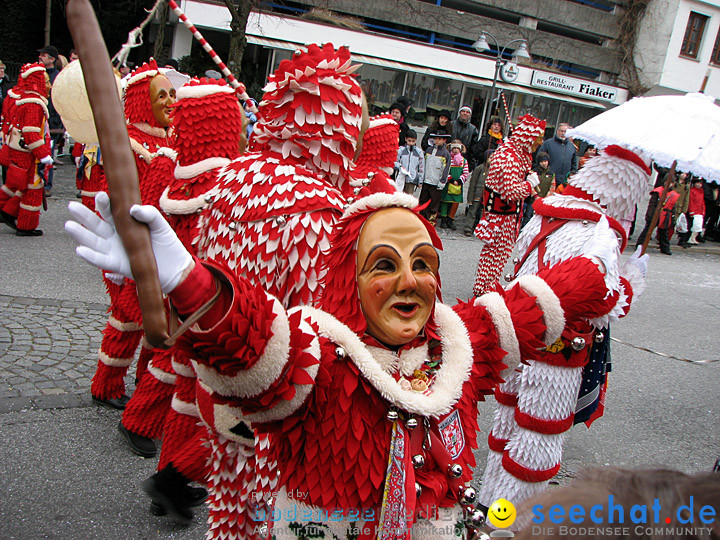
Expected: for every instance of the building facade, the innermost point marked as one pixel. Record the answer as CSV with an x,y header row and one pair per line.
x,y
423,50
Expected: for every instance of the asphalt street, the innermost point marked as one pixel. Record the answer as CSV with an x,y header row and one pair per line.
x,y
66,473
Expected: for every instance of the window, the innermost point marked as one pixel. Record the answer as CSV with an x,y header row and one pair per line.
x,y
715,58
693,35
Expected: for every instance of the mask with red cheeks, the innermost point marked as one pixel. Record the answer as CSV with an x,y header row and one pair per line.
x,y
397,268
162,96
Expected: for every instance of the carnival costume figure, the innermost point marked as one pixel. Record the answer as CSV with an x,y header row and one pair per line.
x,y
376,159
269,221
507,185
28,152
148,95
566,383
370,399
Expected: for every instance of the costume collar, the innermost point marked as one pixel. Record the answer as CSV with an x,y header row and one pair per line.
x,y
454,370
155,131
542,208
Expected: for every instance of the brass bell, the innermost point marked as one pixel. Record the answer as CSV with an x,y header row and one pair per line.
x,y
455,470
356,190
371,175
599,337
366,181
418,490
418,461
467,495
509,277
578,344
477,518
411,423
340,352
280,220
392,416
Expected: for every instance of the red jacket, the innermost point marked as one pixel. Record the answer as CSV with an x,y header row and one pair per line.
x,y
696,206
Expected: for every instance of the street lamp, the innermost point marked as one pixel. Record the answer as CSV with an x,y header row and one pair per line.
x,y
481,45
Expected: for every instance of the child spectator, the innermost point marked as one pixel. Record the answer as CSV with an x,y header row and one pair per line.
x,y
590,152
250,108
437,169
452,195
547,178
442,122
410,165
475,191
696,209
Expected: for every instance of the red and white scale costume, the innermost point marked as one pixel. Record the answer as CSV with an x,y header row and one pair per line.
x,y
536,405
124,328
375,163
27,143
507,188
269,221
322,388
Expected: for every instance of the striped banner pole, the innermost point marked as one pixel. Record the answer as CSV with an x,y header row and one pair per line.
x,y
205,45
507,113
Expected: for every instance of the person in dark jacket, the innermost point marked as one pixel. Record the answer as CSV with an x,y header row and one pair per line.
x,y
490,140
563,156
442,122
465,132
397,110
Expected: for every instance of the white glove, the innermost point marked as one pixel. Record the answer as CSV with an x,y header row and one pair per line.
x,y
101,246
533,178
47,160
117,279
638,261
604,246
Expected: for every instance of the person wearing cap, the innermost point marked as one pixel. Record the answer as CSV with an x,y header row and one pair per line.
x,y
437,169
441,122
410,165
397,110
465,131
47,55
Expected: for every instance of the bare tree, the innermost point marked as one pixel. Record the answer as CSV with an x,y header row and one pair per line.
x,y
239,13
162,15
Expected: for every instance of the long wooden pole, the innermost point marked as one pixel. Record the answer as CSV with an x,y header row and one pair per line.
x,y
669,179
120,170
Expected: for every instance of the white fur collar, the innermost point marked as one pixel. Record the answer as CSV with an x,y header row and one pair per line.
x,y
195,169
181,206
457,361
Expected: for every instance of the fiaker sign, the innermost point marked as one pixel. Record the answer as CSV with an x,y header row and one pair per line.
x,y
575,87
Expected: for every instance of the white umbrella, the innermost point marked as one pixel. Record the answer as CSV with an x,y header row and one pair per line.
x,y
685,129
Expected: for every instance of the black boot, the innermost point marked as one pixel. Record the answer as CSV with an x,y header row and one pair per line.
x,y
451,224
140,445
26,232
8,220
195,495
443,222
169,490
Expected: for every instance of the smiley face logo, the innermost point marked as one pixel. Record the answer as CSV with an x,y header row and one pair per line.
x,y
501,513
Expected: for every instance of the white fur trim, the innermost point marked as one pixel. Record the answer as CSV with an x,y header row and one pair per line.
x,y
183,407
140,150
30,208
174,207
547,300
203,90
37,101
381,200
269,367
377,122
502,320
36,144
25,74
286,408
92,194
162,375
167,152
114,362
123,326
183,370
31,129
140,76
9,192
39,185
155,131
457,361
195,169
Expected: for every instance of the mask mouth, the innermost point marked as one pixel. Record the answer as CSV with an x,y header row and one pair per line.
x,y
406,309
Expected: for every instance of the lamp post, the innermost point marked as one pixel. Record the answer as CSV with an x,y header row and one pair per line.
x,y
481,45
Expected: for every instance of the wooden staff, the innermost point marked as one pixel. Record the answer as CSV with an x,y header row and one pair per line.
x,y
120,170
669,179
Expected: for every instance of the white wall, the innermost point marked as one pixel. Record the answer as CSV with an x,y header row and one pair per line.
x,y
651,48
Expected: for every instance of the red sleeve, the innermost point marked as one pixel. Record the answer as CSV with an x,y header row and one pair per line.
x,y
32,122
77,150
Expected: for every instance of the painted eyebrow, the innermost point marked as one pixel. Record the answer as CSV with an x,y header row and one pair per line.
x,y
378,247
421,245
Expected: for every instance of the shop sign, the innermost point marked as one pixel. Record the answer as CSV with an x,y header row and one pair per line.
x,y
576,87
509,72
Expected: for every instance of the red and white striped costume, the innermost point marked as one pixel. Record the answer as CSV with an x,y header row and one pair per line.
x,y
322,387
505,189
27,143
124,328
536,406
207,123
269,221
